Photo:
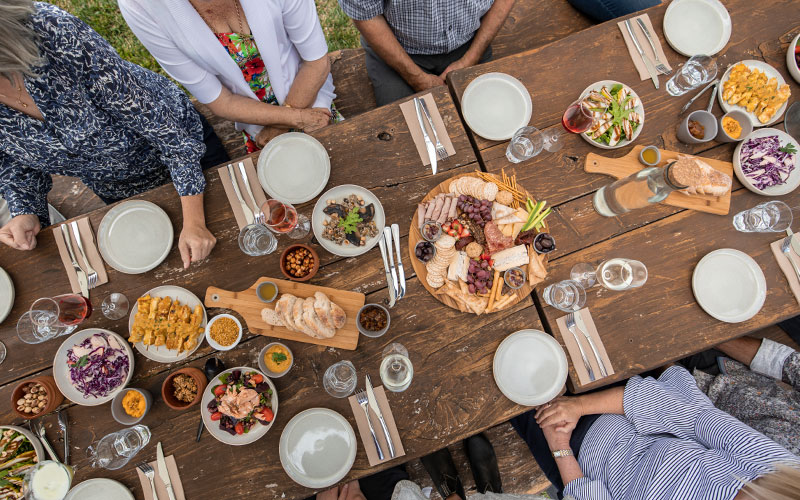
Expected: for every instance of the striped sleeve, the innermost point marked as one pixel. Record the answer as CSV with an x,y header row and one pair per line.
x,y
584,488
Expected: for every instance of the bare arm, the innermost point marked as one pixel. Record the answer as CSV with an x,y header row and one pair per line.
x,y
743,349
243,109
568,466
309,80
196,241
564,412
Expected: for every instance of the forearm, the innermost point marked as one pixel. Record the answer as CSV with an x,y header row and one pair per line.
x,y
743,349
607,401
568,468
193,211
243,109
380,38
309,80
491,22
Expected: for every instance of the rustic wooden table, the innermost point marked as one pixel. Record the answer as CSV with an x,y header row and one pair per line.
x,y
642,329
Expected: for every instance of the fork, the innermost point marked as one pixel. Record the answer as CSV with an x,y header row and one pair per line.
x,y
659,65
361,397
148,471
440,149
785,248
92,274
38,429
258,214
570,321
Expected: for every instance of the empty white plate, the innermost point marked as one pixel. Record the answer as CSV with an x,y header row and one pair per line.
x,y
496,105
317,448
99,489
530,367
135,236
293,167
729,285
695,27
6,294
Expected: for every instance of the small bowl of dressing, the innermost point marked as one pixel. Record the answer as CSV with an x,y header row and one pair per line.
x,y
267,291
650,156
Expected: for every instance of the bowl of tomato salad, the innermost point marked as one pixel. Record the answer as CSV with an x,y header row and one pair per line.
x,y
239,405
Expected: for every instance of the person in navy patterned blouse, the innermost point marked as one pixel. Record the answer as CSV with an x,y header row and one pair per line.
x,y
70,105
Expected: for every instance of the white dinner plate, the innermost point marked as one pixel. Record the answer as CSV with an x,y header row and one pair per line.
x,y
160,353
99,489
212,426
695,27
794,176
135,236
293,167
639,109
317,448
6,294
339,193
530,367
61,370
770,72
729,285
495,105
37,445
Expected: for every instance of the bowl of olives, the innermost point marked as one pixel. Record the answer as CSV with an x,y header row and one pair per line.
x,y
544,243
424,251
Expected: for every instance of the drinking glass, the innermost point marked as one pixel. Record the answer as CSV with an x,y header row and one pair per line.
x,y
340,379
114,450
698,70
578,118
52,317
768,217
283,218
613,274
396,369
567,295
584,274
528,142
256,240
47,480
115,306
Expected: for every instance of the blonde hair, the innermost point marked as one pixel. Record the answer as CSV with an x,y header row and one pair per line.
x,y
18,49
783,484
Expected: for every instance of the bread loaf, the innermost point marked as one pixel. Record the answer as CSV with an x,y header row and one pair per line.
x,y
699,176
270,317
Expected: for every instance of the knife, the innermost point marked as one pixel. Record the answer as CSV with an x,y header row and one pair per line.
x,y
387,235
83,282
651,69
373,404
428,144
249,217
401,290
795,243
389,282
163,472
585,331
64,425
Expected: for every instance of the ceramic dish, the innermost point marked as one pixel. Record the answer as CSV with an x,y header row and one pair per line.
x,y
495,105
339,193
37,445
6,294
216,345
293,167
729,285
213,426
99,488
135,236
791,59
694,27
160,353
639,109
770,72
794,176
168,388
530,367
317,448
118,411
263,366
61,370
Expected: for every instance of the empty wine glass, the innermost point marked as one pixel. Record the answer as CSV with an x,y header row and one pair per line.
x,y
283,218
115,306
396,369
584,274
567,295
528,142
114,450
613,274
340,379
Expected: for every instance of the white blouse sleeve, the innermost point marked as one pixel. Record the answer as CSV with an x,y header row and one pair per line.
x,y
302,25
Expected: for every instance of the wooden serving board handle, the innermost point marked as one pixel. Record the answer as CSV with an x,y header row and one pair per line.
x,y
629,164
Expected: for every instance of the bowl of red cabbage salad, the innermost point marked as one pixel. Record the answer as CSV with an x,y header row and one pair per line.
x,y
98,365
242,401
765,162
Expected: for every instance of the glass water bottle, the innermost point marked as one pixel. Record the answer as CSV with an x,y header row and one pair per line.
x,y
650,185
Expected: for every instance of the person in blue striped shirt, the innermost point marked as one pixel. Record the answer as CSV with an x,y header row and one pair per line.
x,y
654,439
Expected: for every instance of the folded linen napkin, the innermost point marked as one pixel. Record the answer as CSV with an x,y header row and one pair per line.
x,y
255,185
366,437
786,267
161,490
410,114
92,253
575,353
643,43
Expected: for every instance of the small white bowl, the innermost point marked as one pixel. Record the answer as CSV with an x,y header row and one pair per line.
x,y
263,366
214,343
118,412
791,64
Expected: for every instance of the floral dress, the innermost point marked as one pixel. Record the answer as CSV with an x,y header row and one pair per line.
x,y
244,52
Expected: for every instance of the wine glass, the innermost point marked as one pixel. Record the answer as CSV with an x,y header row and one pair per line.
x,y
528,142
52,317
115,306
283,218
578,118
613,274
583,273
396,368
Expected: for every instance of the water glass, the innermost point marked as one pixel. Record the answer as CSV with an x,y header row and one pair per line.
x,y
768,217
396,368
114,450
340,379
528,142
567,295
256,240
47,480
115,306
49,318
698,70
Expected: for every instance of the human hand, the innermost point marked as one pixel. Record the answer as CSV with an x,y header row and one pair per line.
x,y
425,81
348,491
458,64
313,119
195,243
563,414
20,232
267,134
556,440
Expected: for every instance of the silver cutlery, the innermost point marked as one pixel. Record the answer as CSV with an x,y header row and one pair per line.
x,y
389,282
387,236
581,325
150,474
691,101
440,149
249,217
38,429
713,96
401,289
63,423
428,144
163,471
363,401
373,403
659,64
785,249
92,274
258,215
648,64
795,243
83,282
570,322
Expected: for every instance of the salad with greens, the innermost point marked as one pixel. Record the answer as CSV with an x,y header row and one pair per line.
x,y
16,457
615,116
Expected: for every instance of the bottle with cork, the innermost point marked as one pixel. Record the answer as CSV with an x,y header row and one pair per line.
x,y
648,186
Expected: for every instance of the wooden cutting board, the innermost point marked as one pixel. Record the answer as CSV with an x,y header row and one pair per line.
x,y
630,164
249,306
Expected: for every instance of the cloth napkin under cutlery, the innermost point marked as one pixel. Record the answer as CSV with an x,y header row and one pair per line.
x,y
644,44
230,192
786,266
575,353
410,114
366,437
92,253
161,490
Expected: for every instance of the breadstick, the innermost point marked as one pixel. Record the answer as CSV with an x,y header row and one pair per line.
x,y
493,291
504,302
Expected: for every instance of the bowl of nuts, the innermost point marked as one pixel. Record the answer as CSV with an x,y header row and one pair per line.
x,y
299,262
35,397
184,388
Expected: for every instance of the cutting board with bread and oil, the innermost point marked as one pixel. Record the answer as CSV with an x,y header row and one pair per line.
x,y
630,164
292,310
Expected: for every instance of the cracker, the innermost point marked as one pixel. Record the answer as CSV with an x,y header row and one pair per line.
x,y
490,191
445,242
435,280
453,186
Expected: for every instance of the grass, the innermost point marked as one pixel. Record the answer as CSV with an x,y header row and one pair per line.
x,y
105,18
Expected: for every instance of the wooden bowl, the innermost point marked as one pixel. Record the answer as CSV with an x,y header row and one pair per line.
x,y
168,395
52,400
313,269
